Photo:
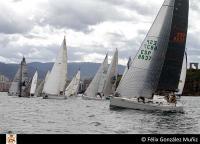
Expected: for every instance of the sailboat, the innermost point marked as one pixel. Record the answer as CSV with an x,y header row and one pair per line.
x,y
34,84
111,77
98,82
73,87
157,66
55,85
20,81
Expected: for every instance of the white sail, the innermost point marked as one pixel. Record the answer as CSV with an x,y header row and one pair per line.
x,y
14,88
183,76
72,88
94,85
102,81
34,84
111,76
55,84
45,82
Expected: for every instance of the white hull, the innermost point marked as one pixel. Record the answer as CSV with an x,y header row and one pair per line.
x,y
55,97
92,98
151,106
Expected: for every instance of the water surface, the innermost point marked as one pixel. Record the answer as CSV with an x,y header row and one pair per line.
x,y
78,116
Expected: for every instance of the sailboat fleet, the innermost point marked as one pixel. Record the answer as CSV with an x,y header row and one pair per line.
x,y
157,70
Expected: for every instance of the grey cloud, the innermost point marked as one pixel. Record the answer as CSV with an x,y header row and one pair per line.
x,y
78,15
134,5
11,23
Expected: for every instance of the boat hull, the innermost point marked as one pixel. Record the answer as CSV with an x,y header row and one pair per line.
x,y
92,98
54,97
116,102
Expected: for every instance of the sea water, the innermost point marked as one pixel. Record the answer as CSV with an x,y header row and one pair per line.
x,y
78,116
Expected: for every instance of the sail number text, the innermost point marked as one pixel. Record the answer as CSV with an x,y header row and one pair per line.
x,y
150,46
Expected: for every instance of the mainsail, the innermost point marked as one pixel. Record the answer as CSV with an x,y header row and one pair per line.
x,y
111,76
55,84
34,84
183,76
94,85
143,76
72,88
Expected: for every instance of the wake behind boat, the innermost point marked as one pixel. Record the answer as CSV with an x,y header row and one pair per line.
x,y
156,68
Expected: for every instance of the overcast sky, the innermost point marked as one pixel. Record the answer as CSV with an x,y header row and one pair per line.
x,y
35,28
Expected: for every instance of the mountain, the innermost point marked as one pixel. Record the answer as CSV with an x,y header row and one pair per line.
x,y
88,70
